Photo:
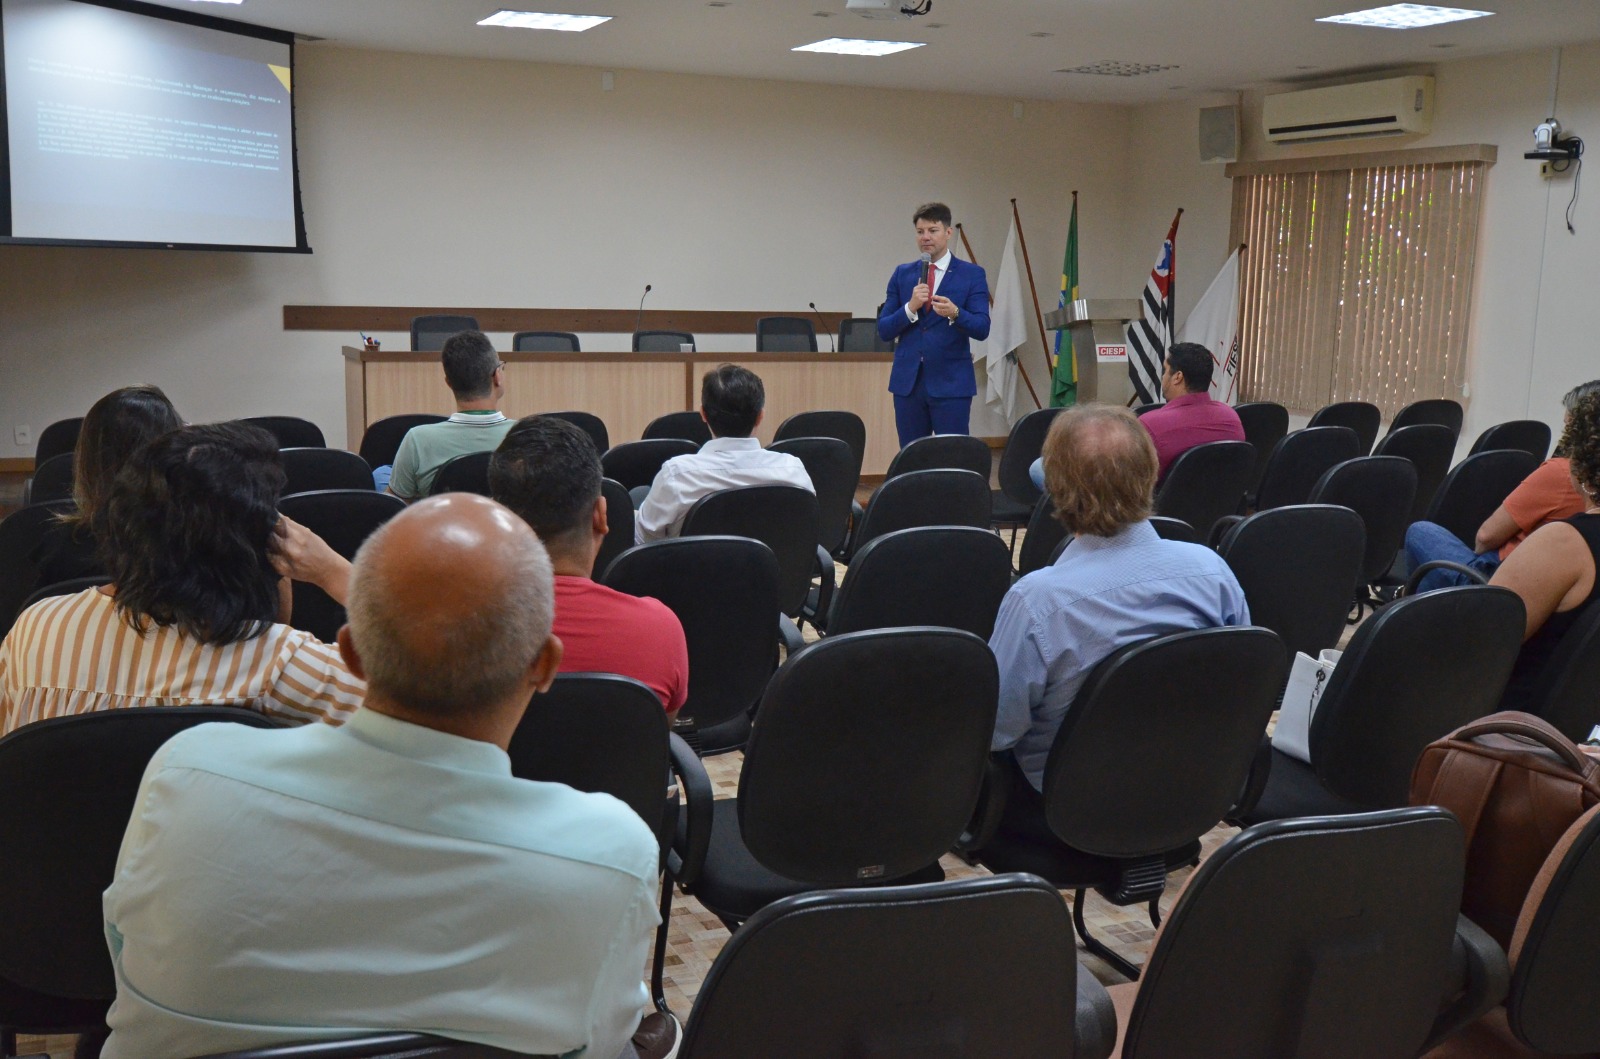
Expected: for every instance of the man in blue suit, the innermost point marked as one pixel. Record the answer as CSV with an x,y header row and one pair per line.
x,y
931,326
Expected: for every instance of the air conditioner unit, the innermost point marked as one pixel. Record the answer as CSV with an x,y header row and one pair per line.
x,y
1393,107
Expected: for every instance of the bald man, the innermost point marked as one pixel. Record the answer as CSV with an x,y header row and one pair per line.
x,y
390,875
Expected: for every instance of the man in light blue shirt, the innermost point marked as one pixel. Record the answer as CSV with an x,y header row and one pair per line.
x,y
1117,582
320,882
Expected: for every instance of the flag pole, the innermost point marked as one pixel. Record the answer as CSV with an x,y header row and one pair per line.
x,y
970,255
974,259
1049,365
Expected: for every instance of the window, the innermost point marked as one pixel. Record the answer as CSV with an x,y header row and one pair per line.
x,y
1357,275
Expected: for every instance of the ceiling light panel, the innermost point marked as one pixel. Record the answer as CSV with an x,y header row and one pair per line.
x,y
541,20
1405,16
851,46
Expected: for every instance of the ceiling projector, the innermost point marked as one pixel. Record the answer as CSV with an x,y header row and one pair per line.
x,y
888,10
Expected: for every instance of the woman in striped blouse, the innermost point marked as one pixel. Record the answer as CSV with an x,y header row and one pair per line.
x,y
200,563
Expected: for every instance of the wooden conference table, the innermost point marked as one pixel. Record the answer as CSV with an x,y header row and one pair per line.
x,y
627,390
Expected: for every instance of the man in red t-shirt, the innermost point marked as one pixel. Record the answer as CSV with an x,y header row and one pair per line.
x,y
548,472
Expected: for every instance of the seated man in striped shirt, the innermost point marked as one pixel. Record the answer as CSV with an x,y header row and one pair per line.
x,y
477,376
197,607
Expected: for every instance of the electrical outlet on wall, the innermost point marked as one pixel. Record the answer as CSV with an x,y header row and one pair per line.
x,y
23,434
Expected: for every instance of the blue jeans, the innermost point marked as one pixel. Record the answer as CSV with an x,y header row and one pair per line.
x,y
1427,541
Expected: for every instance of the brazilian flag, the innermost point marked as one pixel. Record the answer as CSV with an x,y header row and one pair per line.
x,y
1064,380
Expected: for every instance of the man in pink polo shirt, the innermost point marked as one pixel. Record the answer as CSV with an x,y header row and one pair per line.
x,y
1190,417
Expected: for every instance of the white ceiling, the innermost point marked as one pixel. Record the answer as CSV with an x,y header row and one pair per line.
x,y
976,46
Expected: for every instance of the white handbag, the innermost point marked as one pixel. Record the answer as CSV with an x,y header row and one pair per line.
x,y
1307,677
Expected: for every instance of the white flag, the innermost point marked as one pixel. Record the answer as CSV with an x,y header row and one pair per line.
x,y
1008,329
1214,323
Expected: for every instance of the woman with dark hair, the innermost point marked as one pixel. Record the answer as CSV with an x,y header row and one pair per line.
x,y
200,563
119,423
1556,570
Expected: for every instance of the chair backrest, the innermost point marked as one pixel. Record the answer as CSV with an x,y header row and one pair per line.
x,y
1023,446
63,588
21,533
636,463
1156,746
429,333
1439,410
1300,459
950,576
292,432
846,426
1299,567
1361,416
1265,423
1147,407
1430,448
685,425
60,436
835,473
52,480
619,524
468,473
381,440
983,968
1416,671
1529,435
590,424
661,341
1173,529
1475,487
960,451
1040,539
859,334
868,754
69,785
307,470
1563,692
724,591
1379,489
940,497
344,518
1206,482
544,342
1317,936
785,334
783,517
376,1046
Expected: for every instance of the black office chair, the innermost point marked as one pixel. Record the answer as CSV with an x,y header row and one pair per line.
x,y
544,342
939,497
1563,692
1206,483
1300,567
785,334
1430,448
1265,424
1439,410
685,425
1015,499
1172,529
463,474
1044,535
52,480
1361,416
69,587
960,451
590,424
1380,490
1150,756
60,436
783,517
724,591
950,576
344,518
835,473
859,334
21,533
636,463
1529,435
1148,407
1324,936
863,768
69,785
382,439
662,341
309,470
619,525
846,426
1475,487
1413,672
291,432
429,333
982,968
1300,460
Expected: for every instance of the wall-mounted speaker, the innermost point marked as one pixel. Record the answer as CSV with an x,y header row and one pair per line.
x,y
1219,134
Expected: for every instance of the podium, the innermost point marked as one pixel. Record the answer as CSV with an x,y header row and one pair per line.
x,y
1098,327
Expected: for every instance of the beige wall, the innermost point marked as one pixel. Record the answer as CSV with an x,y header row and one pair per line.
x,y
448,181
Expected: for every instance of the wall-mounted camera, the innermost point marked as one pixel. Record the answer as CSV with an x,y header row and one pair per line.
x,y
1550,146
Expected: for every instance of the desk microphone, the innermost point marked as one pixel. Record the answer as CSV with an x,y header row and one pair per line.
x,y
824,324
639,320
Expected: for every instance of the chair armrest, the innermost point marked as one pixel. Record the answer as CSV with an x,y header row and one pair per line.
x,y
1255,783
688,854
857,513
992,795
1480,968
790,634
1220,529
824,589
1094,1031
1440,564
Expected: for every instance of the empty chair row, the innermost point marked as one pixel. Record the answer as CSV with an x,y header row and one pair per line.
x,y
774,334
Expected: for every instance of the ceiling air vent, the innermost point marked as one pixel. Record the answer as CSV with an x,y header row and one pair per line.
x,y
1114,68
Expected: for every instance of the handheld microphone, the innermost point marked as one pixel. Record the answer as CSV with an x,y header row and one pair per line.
x,y
927,274
824,324
639,320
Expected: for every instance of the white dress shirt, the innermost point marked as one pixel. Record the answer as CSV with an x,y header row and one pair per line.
x,y
721,463
940,268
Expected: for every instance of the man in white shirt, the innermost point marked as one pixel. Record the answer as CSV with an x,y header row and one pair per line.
x,y
477,377
731,402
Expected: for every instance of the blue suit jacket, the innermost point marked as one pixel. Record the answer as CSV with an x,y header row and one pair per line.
x,y
940,348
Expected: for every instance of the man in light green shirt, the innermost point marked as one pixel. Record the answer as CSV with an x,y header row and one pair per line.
x,y
477,376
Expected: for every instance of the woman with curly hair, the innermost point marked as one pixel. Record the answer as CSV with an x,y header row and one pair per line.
x,y
1556,570
195,613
